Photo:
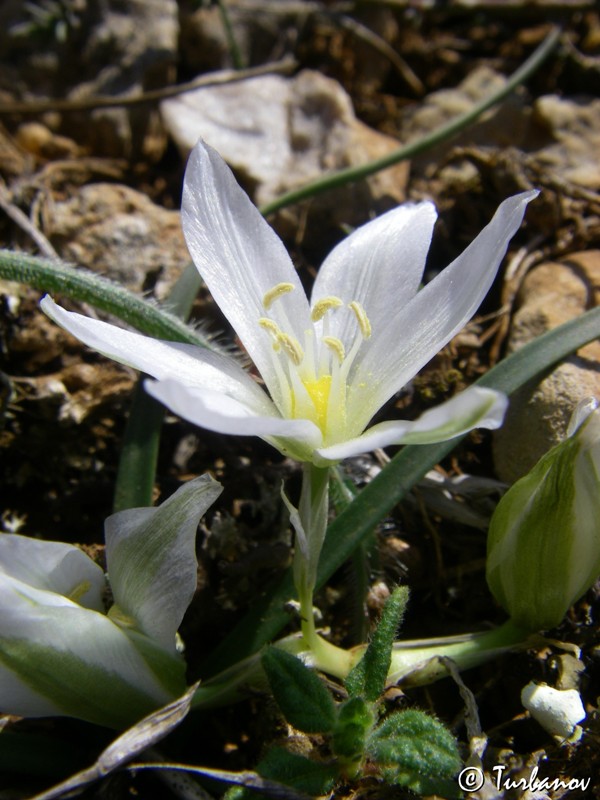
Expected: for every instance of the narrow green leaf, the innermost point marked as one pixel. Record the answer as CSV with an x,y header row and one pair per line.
x,y
58,277
369,675
300,694
423,143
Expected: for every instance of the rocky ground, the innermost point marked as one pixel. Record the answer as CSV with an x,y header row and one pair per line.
x,y
97,182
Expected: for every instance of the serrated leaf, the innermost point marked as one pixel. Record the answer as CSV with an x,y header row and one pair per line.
x,y
412,749
300,694
368,677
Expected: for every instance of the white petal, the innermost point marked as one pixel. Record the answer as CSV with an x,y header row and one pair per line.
x,y
54,567
63,659
476,407
380,265
239,256
194,366
436,313
223,414
151,558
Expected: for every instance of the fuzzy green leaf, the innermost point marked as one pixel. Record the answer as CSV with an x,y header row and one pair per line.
x,y
369,675
355,721
415,750
300,693
304,774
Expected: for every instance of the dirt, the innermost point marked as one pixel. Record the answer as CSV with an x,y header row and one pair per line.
x,y
65,408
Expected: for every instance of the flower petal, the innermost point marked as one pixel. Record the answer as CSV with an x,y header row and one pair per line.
x,y
239,256
476,407
380,265
66,660
435,314
151,558
54,567
197,366
224,414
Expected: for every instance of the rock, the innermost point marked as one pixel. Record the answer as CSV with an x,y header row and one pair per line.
x,y
279,133
574,128
121,234
538,414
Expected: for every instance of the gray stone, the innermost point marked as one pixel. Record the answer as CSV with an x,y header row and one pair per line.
x,y
538,415
279,133
121,234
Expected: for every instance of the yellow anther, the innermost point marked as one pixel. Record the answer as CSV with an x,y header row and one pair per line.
x,y
78,591
334,344
322,306
270,326
361,317
276,292
291,347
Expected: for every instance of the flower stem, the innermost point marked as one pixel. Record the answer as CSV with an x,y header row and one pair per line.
x,y
310,523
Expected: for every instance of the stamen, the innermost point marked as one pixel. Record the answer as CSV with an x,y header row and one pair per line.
x,y
292,348
270,326
335,344
275,293
291,345
362,319
322,306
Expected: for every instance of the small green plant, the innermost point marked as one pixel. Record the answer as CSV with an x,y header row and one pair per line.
x,y
407,748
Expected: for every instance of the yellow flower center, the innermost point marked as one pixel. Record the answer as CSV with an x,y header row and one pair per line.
x,y
318,391
313,375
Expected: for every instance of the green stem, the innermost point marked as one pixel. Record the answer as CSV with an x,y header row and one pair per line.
x,y
310,524
234,50
446,131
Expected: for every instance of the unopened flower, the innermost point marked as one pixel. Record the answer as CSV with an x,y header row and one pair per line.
x,y
544,538
328,364
62,654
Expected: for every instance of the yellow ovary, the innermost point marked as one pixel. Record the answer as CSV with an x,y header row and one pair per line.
x,y
318,392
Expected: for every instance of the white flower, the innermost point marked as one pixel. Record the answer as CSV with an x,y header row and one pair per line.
x,y
62,654
329,365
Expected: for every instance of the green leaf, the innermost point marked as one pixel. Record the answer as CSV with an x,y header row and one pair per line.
x,y
355,721
141,441
415,750
305,774
300,694
369,675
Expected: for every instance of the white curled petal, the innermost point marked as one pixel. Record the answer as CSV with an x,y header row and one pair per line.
x,y
379,265
53,567
59,658
437,312
476,407
239,255
224,414
196,366
151,558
